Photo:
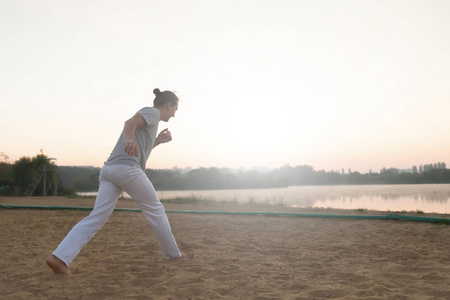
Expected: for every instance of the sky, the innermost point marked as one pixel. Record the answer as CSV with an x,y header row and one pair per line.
x,y
357,85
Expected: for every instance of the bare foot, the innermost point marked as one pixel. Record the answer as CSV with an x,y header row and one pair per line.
x,y
57,265
187,255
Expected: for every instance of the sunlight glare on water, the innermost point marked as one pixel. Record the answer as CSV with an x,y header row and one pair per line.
x,y
426,198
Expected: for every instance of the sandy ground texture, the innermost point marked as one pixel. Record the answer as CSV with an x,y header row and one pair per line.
x,y
236,256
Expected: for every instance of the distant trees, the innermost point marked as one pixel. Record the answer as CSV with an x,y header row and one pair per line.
x,y
79,179
214,178
429,167
14,178
84,179
6,186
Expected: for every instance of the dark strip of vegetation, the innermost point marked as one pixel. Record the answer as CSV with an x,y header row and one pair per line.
x,y
214,178
14,178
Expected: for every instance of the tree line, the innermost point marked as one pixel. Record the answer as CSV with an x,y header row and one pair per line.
x,y
15,177
214,178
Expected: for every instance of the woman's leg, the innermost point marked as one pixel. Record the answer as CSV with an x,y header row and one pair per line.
x,y
143,192
82,232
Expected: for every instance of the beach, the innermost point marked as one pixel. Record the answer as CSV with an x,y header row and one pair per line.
x,y
236,256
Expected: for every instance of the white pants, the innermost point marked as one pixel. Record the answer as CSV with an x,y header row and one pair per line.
x,y
114,179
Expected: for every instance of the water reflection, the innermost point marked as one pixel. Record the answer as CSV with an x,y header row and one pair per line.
x,y
433,193
426,198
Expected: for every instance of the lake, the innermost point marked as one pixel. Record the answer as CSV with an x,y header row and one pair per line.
x,y
423,197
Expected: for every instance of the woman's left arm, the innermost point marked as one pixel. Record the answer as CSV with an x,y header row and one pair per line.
x,y
163,137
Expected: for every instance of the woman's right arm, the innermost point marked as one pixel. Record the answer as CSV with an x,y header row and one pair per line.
x,y
132,148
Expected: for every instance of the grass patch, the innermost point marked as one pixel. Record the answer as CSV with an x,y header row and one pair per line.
x,y
193,199
417,211
251,201
188,200
76,196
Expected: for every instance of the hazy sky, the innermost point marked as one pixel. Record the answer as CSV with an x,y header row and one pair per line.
x,y
331,84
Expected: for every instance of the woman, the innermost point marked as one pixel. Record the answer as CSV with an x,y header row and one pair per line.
x,y
124,171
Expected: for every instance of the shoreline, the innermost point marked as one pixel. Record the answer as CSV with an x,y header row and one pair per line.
x,y
171,204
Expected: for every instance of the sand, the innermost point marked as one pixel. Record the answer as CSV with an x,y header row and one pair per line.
x,y
236,257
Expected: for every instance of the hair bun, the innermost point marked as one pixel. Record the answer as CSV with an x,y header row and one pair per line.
x,y
157,92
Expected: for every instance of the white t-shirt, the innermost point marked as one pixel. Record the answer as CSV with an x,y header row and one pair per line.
x,y
144,136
